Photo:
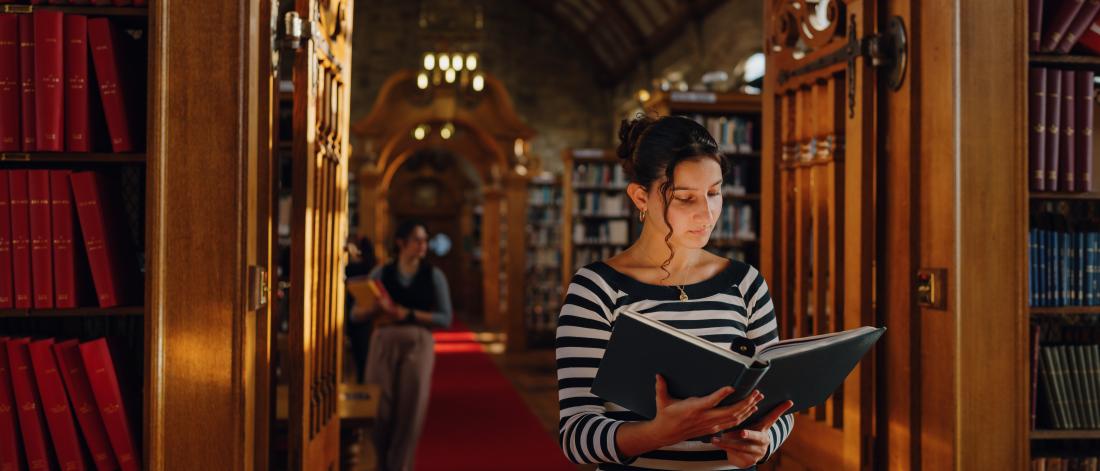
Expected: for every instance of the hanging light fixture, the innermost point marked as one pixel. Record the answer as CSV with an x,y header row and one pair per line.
x,y
447,131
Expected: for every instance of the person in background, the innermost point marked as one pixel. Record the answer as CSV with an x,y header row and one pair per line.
x,y
402,351
361,261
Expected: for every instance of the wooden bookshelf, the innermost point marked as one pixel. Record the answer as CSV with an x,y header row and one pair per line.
x,y
578,252
543,286
1057,212
1065,311
1065,434
708,107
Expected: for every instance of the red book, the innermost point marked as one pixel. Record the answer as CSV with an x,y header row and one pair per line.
x,y
41,238
10,136
26,80
6,289
102,227
69,264
20,239
1037,84
1059,23
1086,92
107,53
77,114
55,405
11,458
1035,24
29,405
1054,117
87,414
49,73
1090,39
108,397
1080,24
1066,157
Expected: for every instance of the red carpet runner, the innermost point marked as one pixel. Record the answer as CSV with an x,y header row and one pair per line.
x,y
476,420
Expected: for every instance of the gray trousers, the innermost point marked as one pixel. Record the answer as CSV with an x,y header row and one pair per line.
x,y
400,361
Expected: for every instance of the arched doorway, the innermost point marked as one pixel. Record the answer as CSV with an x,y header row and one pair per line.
x,y
484,131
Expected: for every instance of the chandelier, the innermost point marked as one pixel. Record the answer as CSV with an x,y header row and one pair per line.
x,y
453,69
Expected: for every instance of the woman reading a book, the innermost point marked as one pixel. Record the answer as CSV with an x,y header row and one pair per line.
x,y
402,351
675,170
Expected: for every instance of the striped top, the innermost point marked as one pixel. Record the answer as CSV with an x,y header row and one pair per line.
x,y
733,303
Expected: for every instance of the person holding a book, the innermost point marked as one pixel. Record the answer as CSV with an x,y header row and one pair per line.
x,y
675,170
402,351
361,261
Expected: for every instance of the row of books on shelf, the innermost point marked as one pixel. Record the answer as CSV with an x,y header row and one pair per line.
x,y
543,195
602,204
543,216
735,183
61,241
1064,268
44,386
733,134
1059,26
601,232
1065,376
546,254
1066,463
46,98
599,175
736,223
1061,107
585,255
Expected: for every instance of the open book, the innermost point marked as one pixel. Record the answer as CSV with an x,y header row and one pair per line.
x,y
804,370
368,293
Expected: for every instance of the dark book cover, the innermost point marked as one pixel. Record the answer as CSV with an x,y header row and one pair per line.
x,y
1034,24
1079,25
1059,23
1054,119
1066,157
805,371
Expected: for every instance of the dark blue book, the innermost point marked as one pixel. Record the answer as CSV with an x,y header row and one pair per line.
x,y
804,370
1031,267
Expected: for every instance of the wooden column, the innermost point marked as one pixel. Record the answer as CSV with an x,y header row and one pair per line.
x,y
490,257
516,189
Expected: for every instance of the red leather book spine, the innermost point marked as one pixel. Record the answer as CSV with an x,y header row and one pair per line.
x,y
77,114
65,268
1079,25
1090,39
1054,118
87,414
10,137
1037,84
55,405
105,57
1035,24
49,73
108,397
6,284
1066,158
41,238
29,406
26,80
1086,93
20,239
1059,23
11,459
100,225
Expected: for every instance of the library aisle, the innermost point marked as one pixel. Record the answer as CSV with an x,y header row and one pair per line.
x,y
476,419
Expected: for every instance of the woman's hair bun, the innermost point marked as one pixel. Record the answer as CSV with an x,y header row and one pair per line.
x,y
630,135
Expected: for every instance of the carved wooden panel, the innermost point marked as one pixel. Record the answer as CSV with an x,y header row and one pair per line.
x,y
321,78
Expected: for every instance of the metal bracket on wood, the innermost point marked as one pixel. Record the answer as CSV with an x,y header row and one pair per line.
x,y
887,51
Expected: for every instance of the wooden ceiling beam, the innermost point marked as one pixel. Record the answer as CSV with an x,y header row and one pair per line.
x,y
601,71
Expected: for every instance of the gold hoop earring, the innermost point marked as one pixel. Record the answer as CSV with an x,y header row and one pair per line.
x,y
641,216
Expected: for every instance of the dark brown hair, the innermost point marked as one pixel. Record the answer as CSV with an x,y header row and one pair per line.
x,y
651,146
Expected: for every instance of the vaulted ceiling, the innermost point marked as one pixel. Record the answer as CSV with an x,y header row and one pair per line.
x,y
617,34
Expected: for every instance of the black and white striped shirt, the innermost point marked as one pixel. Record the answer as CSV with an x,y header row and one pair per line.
x,y
734,303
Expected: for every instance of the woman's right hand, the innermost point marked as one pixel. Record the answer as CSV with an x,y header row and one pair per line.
x,y
682,419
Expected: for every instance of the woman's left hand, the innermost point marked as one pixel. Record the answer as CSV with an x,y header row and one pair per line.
x,y
745,448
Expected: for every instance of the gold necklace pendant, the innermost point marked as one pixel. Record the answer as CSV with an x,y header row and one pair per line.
x,y
683,295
